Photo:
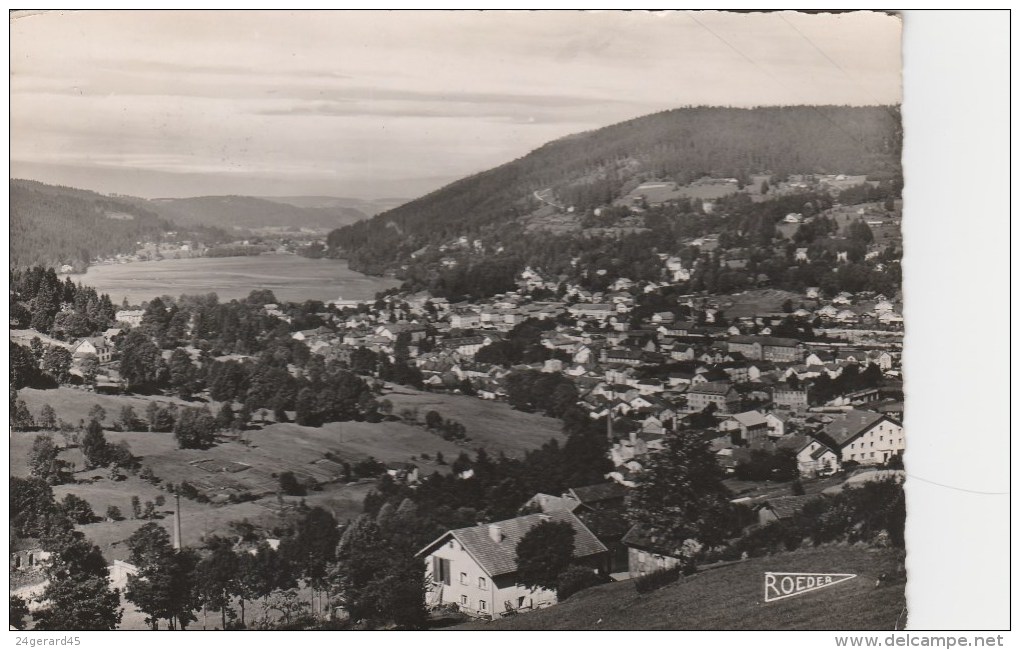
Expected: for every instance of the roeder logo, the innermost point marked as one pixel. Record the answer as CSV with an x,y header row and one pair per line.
x,y
787,585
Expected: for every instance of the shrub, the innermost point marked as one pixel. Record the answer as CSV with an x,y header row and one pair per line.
x,y
574,579
656,579
290,486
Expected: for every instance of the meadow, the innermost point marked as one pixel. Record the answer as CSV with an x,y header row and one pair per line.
x,y
493,425
291,278
731,598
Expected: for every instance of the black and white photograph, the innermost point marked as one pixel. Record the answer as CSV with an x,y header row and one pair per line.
x,y
491,320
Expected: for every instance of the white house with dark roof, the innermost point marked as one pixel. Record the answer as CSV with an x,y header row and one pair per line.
x,y
475,568
96,345
865,437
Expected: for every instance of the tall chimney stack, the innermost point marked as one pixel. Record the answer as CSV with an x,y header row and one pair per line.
x,y
609,425
177,521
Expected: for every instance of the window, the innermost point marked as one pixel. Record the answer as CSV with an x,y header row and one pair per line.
x,y
463,600
520,601
440,571
463,578
481,583
482,606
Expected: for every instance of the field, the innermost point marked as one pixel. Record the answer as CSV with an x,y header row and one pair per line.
x,y
731,598
758,302
72,404
290,277
493,425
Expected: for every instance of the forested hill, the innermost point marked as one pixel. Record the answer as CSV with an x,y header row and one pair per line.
x,y
52,225
590,169
249,212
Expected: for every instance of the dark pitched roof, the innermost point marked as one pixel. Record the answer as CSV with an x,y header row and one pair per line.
x,y
711,388
602,492
784,507
648,540
500,558
849,425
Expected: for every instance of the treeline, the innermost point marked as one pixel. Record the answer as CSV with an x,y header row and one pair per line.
x,y
682,145
38,299
52,226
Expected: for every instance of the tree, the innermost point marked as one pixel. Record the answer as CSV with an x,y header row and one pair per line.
x,y
94,446
136,507
544,553
141,363
764,187
218,576
24,366
33,510
23,420
47,418
77,595
195,429
290,486
128,420
225,417
18,611
165,586
433,420
42,460
574,579
77,509
56,362
113,513
313,545
182,373
680,494
97,413
89,367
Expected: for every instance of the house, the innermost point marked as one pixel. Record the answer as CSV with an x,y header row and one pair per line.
x,y
786,396
865,437
27,554
767,348
722,394
746,428
776,423
648,552
96,345
602,495
475,568
778,508
548,503
814,458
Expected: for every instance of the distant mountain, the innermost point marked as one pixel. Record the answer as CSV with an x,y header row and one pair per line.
x,y
593,169
249,212
53,225
369,207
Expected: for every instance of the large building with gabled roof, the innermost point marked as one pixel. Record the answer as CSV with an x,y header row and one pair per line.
x,y
865,437
475,568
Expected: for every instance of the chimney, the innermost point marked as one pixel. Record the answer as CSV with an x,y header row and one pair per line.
x,y
496,533
177,522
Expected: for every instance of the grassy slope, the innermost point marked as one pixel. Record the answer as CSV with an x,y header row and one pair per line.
x,y
493,425
730,598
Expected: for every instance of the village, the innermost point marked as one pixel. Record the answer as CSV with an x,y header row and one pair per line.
x,y
783,387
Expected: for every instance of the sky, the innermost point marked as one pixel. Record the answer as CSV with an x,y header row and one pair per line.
x,y
374,104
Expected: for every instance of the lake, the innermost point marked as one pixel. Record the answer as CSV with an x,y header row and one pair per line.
x,y
291,278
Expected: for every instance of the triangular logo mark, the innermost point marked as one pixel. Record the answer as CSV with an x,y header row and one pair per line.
x,y
788,585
